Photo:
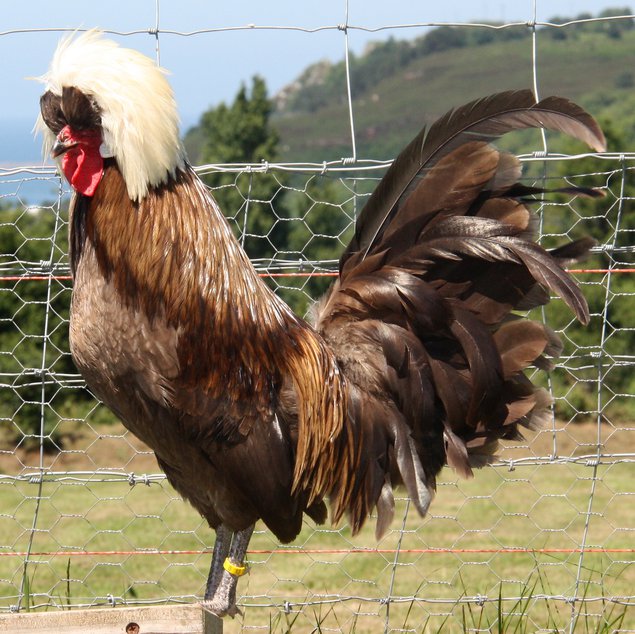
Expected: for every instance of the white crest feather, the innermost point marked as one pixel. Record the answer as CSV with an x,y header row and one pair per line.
x,y
138,112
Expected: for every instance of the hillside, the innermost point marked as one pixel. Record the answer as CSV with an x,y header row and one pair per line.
x,y
398,85
588,69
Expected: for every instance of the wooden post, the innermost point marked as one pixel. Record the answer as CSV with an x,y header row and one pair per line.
x,y
167,619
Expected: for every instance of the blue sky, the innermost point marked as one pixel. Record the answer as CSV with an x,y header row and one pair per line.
x,y
209,68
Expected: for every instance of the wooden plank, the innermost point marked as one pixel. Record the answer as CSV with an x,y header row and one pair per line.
x,y
168,619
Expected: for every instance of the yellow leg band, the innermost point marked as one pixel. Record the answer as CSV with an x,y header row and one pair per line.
x,y
233,569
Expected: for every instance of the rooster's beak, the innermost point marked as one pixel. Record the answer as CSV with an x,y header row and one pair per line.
x,y
61,146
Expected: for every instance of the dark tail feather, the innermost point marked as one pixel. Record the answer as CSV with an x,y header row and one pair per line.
x,y
573,251
423,320
483,121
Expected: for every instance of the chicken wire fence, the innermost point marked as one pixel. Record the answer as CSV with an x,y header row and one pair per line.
x,y
543,540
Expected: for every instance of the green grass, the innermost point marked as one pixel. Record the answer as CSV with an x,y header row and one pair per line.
x,y
323,580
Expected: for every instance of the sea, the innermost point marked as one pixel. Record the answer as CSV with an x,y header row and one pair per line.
x,y
26,179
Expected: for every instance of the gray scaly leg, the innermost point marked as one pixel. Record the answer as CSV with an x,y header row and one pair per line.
x,y
227,566
221,550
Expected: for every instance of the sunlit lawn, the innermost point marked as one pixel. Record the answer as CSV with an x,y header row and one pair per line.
x,y
497,535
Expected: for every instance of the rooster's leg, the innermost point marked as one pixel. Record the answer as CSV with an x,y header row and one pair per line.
x,y
220,593
221,549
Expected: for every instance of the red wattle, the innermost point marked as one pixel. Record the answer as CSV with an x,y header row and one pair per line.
x,y
83,165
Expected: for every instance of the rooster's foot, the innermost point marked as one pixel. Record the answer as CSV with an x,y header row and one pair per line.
x,y
221,606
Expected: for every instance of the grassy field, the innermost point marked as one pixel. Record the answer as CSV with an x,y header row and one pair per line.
x,y
510,537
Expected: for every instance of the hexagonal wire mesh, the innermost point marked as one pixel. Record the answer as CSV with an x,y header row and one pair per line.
x,y
542,538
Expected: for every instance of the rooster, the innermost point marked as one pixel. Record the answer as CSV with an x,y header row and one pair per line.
x,y
415,357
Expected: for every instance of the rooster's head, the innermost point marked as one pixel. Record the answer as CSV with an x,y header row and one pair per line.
x,y
103,101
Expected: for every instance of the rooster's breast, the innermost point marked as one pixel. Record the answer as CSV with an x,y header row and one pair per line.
x,y
111,341
129,362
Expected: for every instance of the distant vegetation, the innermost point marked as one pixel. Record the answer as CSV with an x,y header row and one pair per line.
x,y
320,84
32,401
398,85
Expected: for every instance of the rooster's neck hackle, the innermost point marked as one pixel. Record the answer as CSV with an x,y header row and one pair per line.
x,y
139,117
157,255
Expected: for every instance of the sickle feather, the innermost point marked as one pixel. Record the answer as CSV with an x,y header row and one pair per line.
x,y
481,120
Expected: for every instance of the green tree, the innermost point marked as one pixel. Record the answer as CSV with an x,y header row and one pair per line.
x,y
254,200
